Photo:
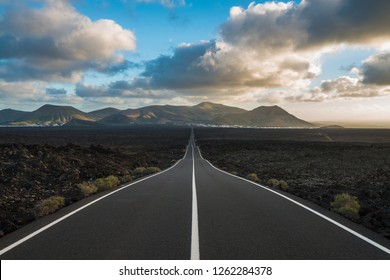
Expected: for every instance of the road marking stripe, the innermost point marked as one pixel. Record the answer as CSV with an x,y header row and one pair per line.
x,y
195,255
31,235
364,238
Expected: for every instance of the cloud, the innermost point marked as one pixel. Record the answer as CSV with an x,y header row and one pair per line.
x,y
341,88
56,43
215,65
263,28
27,93
56,91
345,21
276,45
376,70
254,50
118,89
278,26
267,52
182,70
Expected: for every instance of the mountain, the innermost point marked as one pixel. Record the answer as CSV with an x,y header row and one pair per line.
x,y
116,119
9,115
53,115
205,113
81,123
102,113
264,116
202,113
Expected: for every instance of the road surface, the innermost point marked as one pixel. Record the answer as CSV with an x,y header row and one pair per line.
x,y
193,211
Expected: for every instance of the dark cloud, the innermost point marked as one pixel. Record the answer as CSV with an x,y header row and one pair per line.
x,y
119,67
349,21
56,91
179,71
310,24
13,47
122,89
264,28
83,90
376,70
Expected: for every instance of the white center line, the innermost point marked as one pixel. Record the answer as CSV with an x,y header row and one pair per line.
x,y
195,230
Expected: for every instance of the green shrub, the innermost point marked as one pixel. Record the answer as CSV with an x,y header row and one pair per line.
x,y
139,170
347,205
253,177
126,179
151,170
49,205
87,188
107,183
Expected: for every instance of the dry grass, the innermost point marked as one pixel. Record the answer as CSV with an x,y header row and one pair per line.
x,y
253,177
49,205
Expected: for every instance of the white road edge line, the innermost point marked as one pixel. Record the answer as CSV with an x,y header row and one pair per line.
x,y
364,238
195,255
31,235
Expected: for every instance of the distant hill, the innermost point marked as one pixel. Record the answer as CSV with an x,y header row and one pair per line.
x,y
81,123
205,113
332,127
9,115
264,116
102,113
202,113
51,115
116,119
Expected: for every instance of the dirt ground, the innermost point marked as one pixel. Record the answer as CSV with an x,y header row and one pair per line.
x,y
356,162
38,163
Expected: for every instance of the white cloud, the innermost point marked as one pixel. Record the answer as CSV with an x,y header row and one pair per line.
x,y
56,43
342,88
25,94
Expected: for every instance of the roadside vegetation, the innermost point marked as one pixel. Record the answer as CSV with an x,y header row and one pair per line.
x,y
110,182
253,177
104,184
87,188
49,205
279,184
347,205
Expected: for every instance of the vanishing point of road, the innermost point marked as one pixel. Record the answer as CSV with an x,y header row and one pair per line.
x,y
193,211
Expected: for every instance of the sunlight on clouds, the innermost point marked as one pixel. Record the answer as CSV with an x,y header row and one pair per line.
x,y
34,93
56,43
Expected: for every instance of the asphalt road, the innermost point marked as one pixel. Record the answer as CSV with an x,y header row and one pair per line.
x,y
160,218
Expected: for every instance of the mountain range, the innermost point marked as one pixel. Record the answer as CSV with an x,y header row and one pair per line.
x,y
205,113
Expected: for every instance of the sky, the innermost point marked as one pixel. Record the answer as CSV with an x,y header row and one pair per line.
x,y
321,60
